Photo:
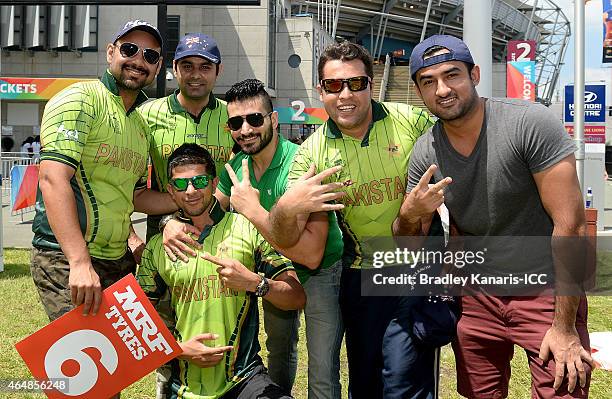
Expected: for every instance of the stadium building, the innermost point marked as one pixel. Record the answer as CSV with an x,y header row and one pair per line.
x,y
44,48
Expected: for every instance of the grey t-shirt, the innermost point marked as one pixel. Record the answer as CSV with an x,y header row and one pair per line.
x,y
493,192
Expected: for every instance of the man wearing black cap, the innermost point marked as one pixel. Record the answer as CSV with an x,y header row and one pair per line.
x,y
504,168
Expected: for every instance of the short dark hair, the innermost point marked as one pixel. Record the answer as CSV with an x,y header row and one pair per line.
x,y
248,89
346,51
191,154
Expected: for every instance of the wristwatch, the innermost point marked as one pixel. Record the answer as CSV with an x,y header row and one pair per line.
x,y
262,288
164,221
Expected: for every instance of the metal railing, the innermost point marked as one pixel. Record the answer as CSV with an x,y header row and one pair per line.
x,y
7,161
385,79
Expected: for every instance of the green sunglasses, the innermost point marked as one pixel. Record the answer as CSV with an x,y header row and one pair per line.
x,y
198,182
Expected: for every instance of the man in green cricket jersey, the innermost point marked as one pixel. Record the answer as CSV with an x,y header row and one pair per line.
x,y
92,173
266,158
371,142
192,114
214,295
93,158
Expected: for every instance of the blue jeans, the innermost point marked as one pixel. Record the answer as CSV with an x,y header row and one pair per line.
x,y
324,331
384,361
281,327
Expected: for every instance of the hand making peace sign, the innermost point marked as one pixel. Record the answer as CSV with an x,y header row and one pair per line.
x,y
424,199
244,198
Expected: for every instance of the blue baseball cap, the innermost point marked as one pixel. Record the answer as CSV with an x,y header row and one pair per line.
x,y
139,24
198,45
458,51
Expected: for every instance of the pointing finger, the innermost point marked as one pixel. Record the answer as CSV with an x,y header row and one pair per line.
x,y
217,261
206,337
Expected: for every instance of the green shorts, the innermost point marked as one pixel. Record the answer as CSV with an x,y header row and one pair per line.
x,y
50,272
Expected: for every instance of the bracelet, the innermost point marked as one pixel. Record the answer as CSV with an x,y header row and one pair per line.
x,y
164,221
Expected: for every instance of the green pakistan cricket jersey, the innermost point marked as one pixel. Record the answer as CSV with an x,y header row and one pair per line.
x,y
272,186
202,305
86,127
375,169
171,126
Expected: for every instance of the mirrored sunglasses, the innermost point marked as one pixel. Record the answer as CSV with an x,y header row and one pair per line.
x,y
198,182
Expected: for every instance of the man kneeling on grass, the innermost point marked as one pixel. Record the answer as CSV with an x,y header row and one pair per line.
x,y
214,295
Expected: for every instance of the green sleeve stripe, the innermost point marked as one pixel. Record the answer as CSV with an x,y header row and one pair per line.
x,y
278,272
94,205
54,156
149,279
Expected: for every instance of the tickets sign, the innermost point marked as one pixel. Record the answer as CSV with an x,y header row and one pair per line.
x,y
33,88
98,356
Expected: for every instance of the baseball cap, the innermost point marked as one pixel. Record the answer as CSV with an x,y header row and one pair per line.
x,y
458,51
199,45
139,24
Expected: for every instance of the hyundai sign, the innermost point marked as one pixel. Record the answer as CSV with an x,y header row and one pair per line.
x,y
594,103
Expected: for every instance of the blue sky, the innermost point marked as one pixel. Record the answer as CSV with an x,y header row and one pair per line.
x,y
595,71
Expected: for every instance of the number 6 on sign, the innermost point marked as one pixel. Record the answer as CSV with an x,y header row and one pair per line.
x,y
98,356
70,347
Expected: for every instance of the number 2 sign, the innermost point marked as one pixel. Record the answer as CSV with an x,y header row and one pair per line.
x,y
98,356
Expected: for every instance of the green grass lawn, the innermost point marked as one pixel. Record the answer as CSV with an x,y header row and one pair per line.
x,y
21,314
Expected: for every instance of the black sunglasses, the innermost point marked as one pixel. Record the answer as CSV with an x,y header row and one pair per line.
x,y
198,182
358,83
255,119
129,50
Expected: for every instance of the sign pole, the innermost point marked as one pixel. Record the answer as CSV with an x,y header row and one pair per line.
x,y
579,89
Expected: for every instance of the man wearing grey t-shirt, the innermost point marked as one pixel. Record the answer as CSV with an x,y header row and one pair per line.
x,y
503,168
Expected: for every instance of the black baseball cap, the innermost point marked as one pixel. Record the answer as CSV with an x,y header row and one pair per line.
x,y
199,45
139,24
458,51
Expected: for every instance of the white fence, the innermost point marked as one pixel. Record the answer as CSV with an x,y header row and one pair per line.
x,y
8,160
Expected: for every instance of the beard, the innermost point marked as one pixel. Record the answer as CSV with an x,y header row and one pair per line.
x,y
254,148
125,81
197,210
463,108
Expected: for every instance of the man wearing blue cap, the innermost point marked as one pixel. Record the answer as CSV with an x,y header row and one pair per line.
x,y
192,114
503,167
